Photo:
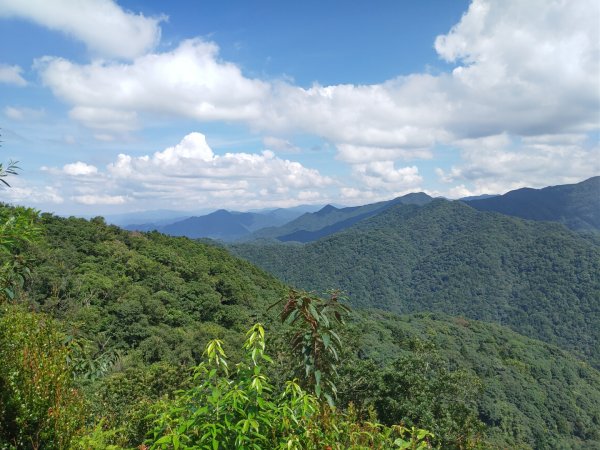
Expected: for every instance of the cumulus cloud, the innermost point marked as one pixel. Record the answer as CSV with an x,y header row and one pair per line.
x,y
79,169
192,161
12,75
360,154
521,68
188,81
518,105
104,27
383,175
189,174
499,163
21,191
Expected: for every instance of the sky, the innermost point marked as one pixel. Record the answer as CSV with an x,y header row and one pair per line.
x,y
126,106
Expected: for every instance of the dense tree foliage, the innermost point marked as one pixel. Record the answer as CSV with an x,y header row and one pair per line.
x,y
18,227
240,408
538,278
133,313
39,407
529,394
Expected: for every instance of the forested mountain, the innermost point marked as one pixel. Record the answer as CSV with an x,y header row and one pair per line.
x,y
540,279
131,290
222,224
575,205
328,220
522,393
141,307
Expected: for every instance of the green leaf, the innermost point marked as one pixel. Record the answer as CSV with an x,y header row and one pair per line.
x,y
292,317
326,340
164,440
313,311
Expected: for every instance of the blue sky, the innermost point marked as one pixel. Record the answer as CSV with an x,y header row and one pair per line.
x,y
140,105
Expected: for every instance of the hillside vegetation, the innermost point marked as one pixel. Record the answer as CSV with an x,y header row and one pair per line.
x,y
529,393
127,316
539,279
575,205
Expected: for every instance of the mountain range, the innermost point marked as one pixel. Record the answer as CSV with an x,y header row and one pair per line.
x,y
575,205
541,279
330,219
222,224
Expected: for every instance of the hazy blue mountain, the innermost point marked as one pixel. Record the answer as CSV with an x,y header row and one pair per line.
x,y
478,197
330,219
154,217
293,211
538,278
222,224
575,205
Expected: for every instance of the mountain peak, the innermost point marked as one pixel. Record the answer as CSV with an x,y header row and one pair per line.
x,y
327,209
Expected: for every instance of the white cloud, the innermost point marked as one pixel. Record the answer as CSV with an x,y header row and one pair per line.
x,y
100,199
188,81
104,137
79,169
12,75
104,27
190,174
518,106
522,68
499,163
354,196
309,196
105,118
383,175
361,154
20,113
22,191
192,161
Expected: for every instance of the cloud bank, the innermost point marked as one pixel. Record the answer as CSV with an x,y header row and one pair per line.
x,y
189,175
104,27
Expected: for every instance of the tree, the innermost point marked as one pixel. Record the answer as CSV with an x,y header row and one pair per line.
x,y
314,340
18,228
39,407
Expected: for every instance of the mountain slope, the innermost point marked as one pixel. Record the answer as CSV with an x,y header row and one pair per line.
x,y
161,297
222,224
533,394
575,205
539,279
329,220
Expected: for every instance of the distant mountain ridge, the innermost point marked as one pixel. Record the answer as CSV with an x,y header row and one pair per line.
x,y
575,205
223,224
540,279
329,220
